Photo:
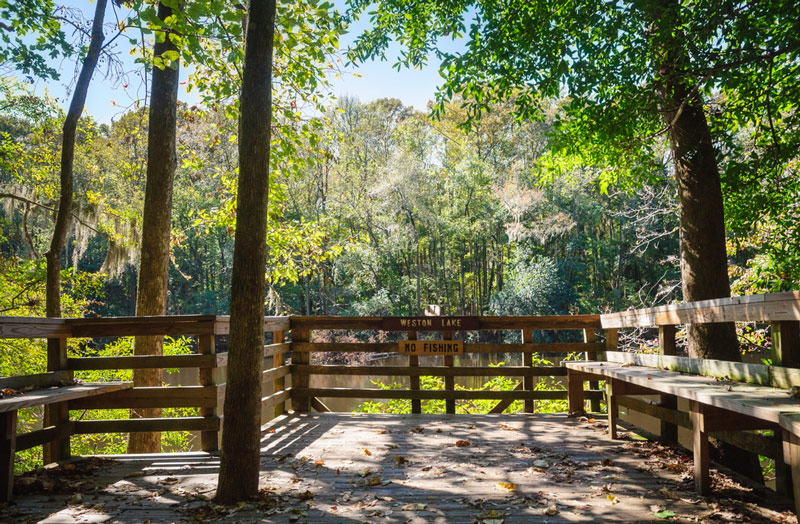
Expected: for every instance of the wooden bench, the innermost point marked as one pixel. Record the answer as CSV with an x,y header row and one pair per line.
x,y
714,404
10,443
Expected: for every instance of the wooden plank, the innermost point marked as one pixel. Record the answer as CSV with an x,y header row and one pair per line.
x,y
391,347
56,414
369,393
319,406
271,350
278,360
575,393
146,325
277,373
613,408
207,377
765,403
43,436
134,425
486,322
276,398
8,448
738,371
152,397
33,327
770,307
299,379
143,361
505,403
794,460
667,347
397,371
39,380
43,397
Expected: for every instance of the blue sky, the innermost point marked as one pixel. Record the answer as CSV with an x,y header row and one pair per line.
x,y
373,80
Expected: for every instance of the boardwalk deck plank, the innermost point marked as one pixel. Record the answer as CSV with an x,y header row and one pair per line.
x,y
314,469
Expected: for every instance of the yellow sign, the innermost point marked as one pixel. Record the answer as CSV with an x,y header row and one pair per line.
x,y
431,347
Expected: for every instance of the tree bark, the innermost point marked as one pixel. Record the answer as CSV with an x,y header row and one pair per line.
x,y
64,213
151,296
70,127
704,262
241,435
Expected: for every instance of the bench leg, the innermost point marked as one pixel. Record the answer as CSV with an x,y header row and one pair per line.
x,y
8,446
702,479
575,398
793,443
613,408
56,415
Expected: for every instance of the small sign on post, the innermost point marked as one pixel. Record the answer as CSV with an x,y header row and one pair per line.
x,y
430,323
431,347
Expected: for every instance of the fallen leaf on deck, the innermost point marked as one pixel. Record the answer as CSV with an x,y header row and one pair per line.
x,y
612,499
319,463
542,464
590,420
552,510
381,431
401,460
667,493
507,428
462,443
506,486
665,514
413,507
270,431
367,452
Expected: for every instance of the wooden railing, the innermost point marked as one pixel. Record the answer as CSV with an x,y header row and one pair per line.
x,y
780,310
207,396
306,397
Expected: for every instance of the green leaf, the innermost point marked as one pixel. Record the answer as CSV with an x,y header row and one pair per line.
x,y
665,514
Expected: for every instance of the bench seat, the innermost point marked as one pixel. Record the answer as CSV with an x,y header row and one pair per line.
x,y
38,397
714,405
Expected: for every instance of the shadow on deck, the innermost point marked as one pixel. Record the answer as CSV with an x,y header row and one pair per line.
x,y
411,468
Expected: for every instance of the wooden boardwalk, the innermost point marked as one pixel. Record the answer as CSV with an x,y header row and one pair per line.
x,y
342,468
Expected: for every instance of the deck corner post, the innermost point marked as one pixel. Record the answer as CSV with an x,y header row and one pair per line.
x,y
666,346
785,343
57,414
300,381
449,380
209,440
527,361
702,478
589,338
413,361
8,447
279,384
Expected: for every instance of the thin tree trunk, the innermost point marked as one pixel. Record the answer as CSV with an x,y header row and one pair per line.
x,y
64,213
151,296
238,474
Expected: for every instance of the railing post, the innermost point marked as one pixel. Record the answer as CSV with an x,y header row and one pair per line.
x,y
786,343
299,379
666,346
449,380
413,361
279,384
57,414
527,361
209,440
589,337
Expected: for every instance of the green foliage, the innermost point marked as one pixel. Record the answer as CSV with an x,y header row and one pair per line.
x,y
31,34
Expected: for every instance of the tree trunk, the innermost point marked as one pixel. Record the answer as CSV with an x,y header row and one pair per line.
x,y
151,296
239,467
704,263
64,213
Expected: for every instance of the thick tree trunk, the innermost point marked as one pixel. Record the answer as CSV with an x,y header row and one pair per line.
x,y
151,296
704,263
64,213
239,467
